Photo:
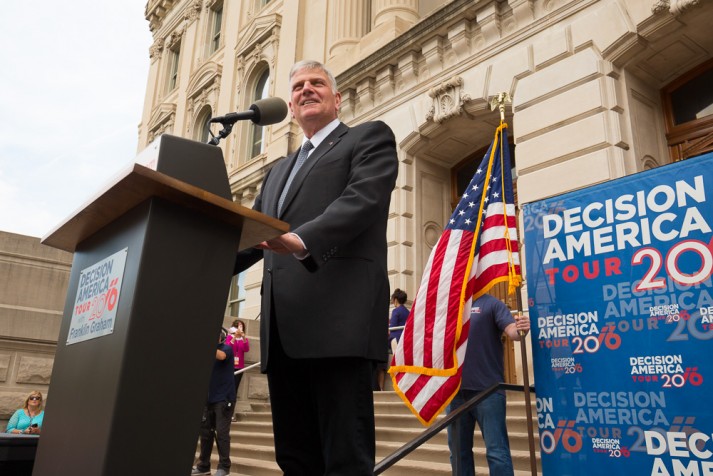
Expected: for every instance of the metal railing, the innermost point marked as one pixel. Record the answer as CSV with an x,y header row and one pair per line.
x,y
450,419
245,369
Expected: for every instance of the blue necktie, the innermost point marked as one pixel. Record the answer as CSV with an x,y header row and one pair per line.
x,y
304,152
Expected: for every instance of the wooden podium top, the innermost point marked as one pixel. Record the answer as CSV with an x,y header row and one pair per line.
x,y
136,184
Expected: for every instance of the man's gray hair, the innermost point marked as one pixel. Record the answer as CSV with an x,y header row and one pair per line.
x,y
311,64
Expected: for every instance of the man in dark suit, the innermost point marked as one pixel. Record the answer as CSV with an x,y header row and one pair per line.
x,y
325,290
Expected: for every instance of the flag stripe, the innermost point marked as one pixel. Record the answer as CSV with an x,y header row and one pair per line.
x,y
432,301
450,327
450,266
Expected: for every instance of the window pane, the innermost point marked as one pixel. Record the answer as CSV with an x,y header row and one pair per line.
x,y
258,135
217,22
205,132
173,70
237,295
693,100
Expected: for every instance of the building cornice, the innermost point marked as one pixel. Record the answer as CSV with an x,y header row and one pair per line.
x,y
410,40
156,11
417,57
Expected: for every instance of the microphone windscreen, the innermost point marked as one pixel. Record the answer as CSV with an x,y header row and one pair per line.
x,y
269,111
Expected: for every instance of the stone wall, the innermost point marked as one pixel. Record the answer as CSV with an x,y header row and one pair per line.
x,y
33,285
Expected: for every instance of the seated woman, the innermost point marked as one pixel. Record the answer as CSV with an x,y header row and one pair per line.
x,y
28,420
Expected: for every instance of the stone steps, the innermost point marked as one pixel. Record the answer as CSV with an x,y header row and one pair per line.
x,y
516,423
252,451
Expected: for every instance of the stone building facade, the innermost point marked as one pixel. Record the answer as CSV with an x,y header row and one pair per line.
x,y
598,87
33,287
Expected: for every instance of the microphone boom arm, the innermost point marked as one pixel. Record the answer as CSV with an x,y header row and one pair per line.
x,y
227,129
263,112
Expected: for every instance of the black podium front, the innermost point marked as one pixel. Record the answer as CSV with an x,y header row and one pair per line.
x,y
17,454
153,260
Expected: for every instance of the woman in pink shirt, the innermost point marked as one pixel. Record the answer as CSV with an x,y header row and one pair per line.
x,y
239,341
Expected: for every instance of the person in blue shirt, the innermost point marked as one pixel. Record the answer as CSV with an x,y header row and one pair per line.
x,y
218,412
399,314
398,319
483,367
28,419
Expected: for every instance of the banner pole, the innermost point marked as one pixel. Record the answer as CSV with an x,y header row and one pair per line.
x,y
526,385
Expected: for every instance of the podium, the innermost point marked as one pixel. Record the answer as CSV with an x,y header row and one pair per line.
x,y
153,259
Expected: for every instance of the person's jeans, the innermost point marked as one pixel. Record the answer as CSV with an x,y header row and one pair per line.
x,y
490,416
216,425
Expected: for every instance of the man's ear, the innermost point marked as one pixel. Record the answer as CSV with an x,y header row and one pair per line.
x,y
338,100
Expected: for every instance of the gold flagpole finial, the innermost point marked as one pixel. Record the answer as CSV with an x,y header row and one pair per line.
x,y
499,101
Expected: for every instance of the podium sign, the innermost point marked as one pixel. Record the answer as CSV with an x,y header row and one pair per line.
x,y
98,294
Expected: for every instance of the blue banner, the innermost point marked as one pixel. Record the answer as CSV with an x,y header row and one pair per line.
x,y
621,306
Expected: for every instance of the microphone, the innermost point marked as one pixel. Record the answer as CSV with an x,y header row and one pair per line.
x,y
263,112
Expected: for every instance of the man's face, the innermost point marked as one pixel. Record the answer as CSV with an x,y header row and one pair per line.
x,y
312,102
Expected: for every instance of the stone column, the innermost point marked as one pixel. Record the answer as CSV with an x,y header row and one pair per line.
x,y
387,10
347,24
391,19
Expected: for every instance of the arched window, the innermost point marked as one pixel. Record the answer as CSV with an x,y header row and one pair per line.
x,y
257,133
202,126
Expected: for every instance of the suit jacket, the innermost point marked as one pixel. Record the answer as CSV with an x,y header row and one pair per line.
x,y
335,302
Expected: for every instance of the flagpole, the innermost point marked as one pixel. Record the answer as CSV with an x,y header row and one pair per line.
x,y
526,385
498,101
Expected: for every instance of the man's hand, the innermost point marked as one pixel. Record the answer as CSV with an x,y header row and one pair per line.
x,y
523,324
518,329
288,243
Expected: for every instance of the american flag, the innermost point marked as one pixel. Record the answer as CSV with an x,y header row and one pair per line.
x,y
477,249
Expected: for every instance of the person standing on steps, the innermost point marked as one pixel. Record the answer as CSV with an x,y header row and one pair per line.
x,y
483,367
399,314
238,340
218,412
325,287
